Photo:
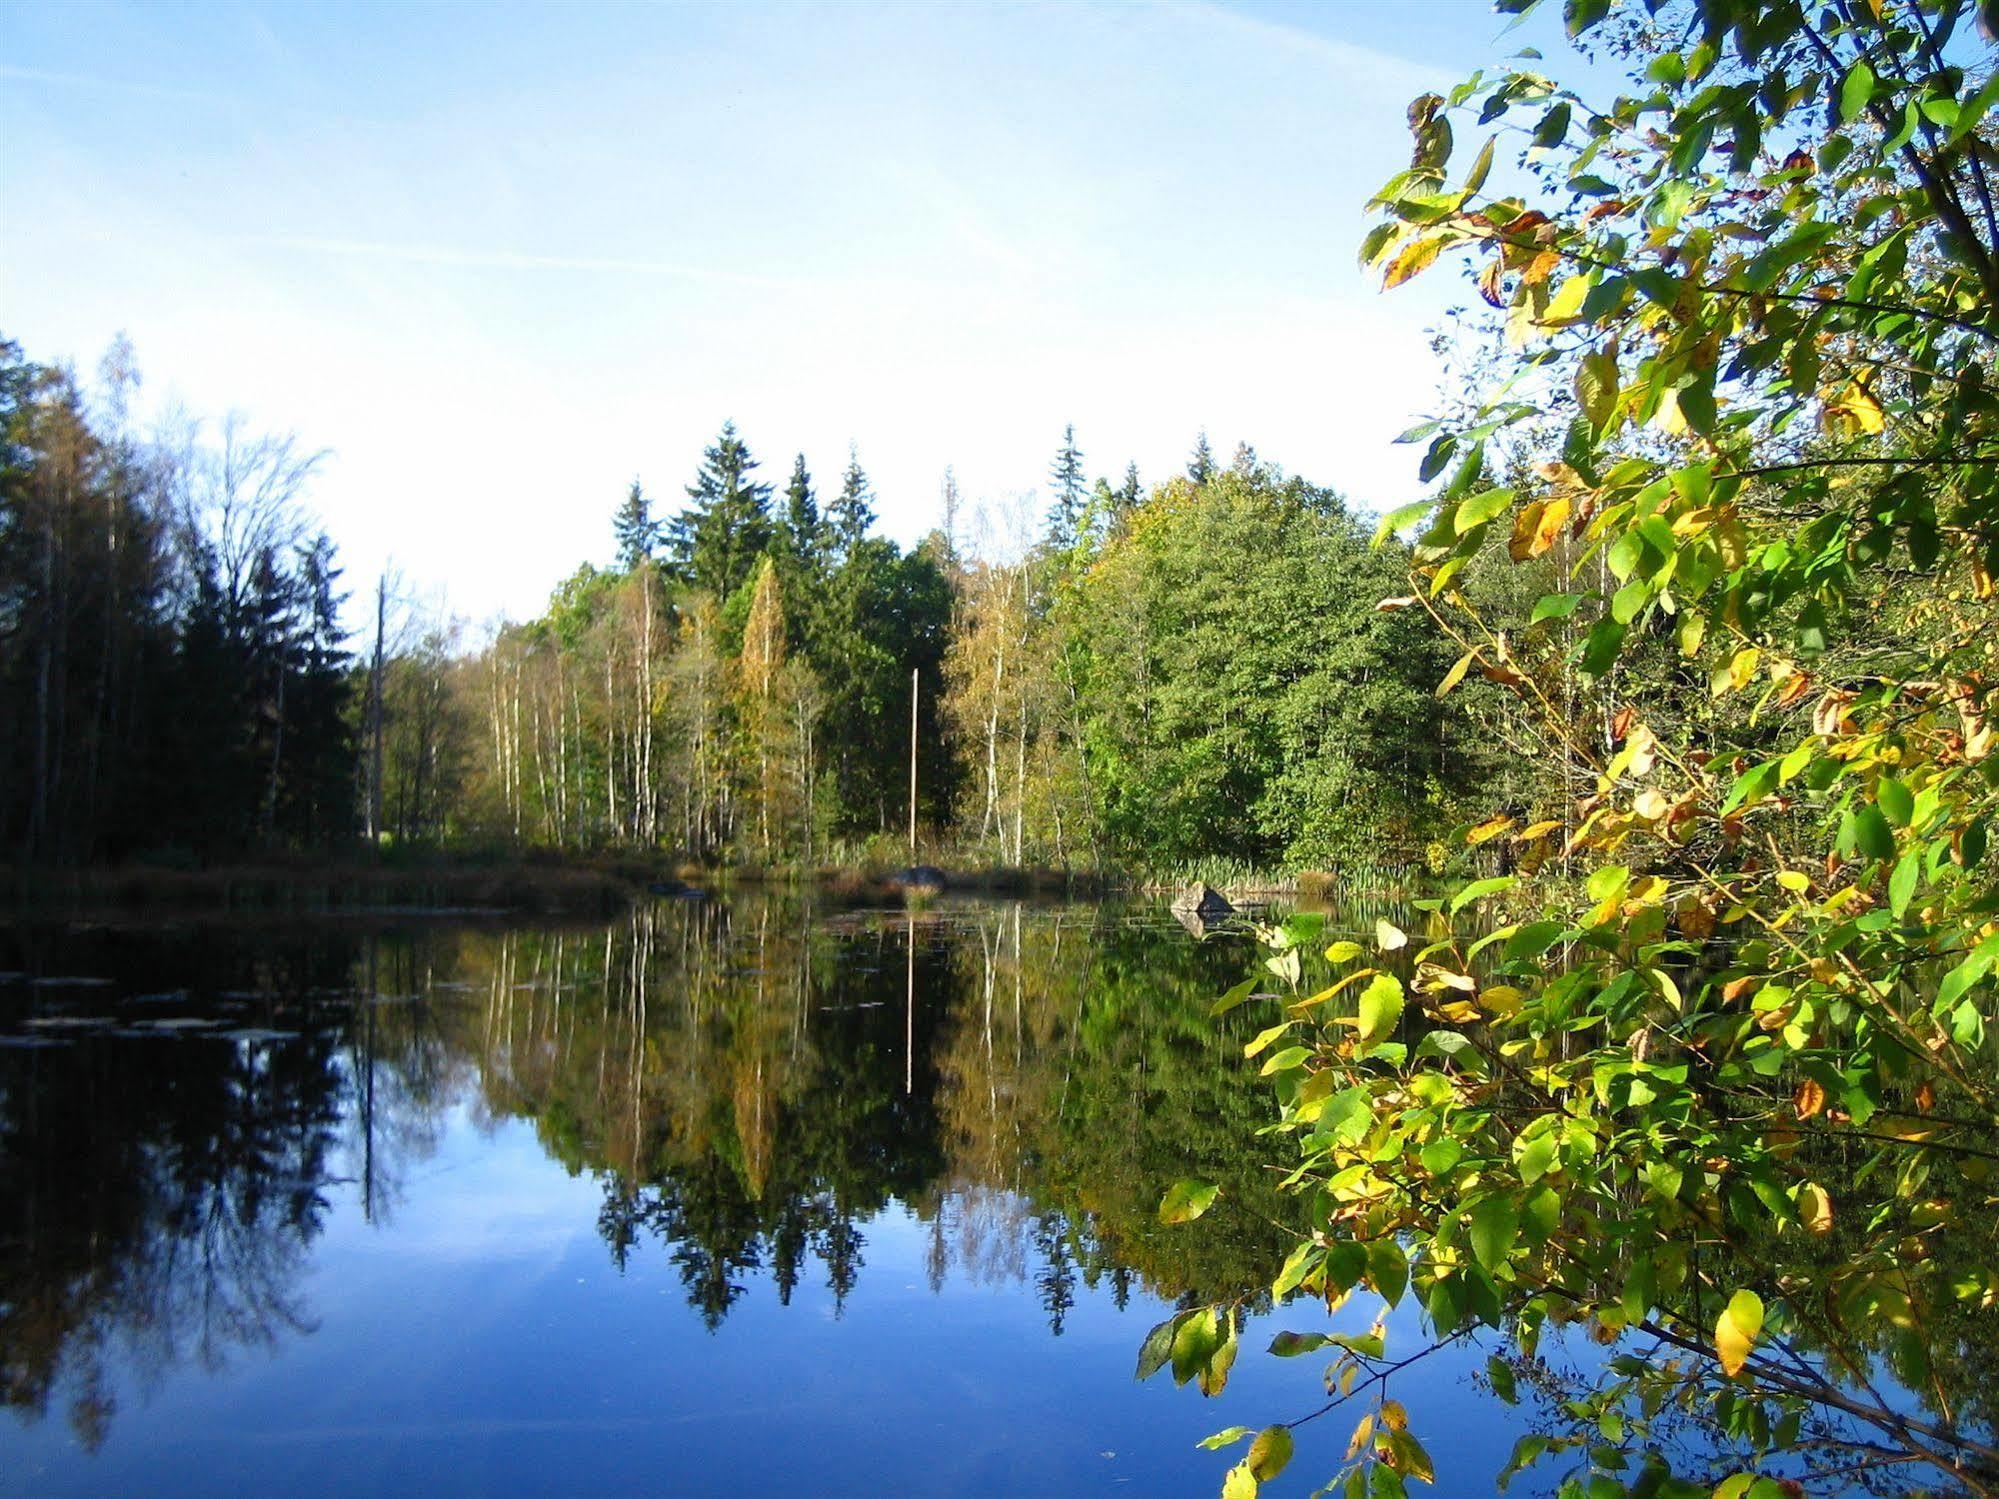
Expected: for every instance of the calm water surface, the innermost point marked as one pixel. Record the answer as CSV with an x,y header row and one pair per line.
x,y
723,1198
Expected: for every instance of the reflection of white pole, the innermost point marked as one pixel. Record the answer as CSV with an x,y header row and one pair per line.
x,y
909,1016
914,683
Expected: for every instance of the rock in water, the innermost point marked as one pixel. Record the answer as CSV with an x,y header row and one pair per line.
x,y
1203,901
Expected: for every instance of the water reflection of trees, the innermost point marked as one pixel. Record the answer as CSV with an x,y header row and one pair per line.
x,y
751,1084
158,1196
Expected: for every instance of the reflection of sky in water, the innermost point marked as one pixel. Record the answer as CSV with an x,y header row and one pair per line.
x,y
479,1338
485,1343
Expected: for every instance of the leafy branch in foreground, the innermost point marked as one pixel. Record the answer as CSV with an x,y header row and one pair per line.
x,y
1725,1105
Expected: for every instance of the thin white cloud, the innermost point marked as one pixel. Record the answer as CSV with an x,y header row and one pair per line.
x,y
115,85
1350,59
512,260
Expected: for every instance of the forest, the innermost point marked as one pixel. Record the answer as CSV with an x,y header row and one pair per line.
x,y
1124,682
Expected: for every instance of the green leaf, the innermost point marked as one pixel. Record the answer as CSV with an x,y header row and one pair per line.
x,y
1187,1199
1387,1270
1896,801
1270,1452
1871,834
1283,1061
1554,125
1601,645
1478,889
1856,91
1223,1438
1480,508
1233,998
1295,1344
1395,520
1297,1265
1555,606
1533,939
1158,1345
1537,1156
1380,1009
1752,785
1902,883
1495,1224
1439,1156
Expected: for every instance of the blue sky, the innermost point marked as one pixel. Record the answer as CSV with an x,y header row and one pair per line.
x,y
499,260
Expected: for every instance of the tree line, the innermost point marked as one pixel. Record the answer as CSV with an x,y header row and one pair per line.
x,y
1141,676
173,672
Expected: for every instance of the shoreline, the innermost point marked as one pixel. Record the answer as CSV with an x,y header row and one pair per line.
x,y
447,886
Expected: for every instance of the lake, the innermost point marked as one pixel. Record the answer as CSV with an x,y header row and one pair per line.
x,y
723,1197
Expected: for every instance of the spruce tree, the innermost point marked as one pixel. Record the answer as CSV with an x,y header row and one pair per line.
x,y
853,512
1065,511
637,533
1201,466
717,539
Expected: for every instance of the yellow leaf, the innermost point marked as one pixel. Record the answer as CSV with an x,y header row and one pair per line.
x,y
1566,305
1362,1434
1692,632
1737,674
1596,384
1852,411
1815,1207
1537,527
1457,673
1651,805
1540,267
1535,830
1488,830
1643,746
1394,1416
1735,1332
1389,937
1414,259
1502,999
1794,880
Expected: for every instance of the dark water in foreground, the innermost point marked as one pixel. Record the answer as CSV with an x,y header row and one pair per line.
x,y
720,1199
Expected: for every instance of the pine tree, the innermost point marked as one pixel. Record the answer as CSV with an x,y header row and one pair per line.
x,y
716,540
1201,467
638,534
320,806
1065,512
850,515
1245,461
1129,493
801,528
952,503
